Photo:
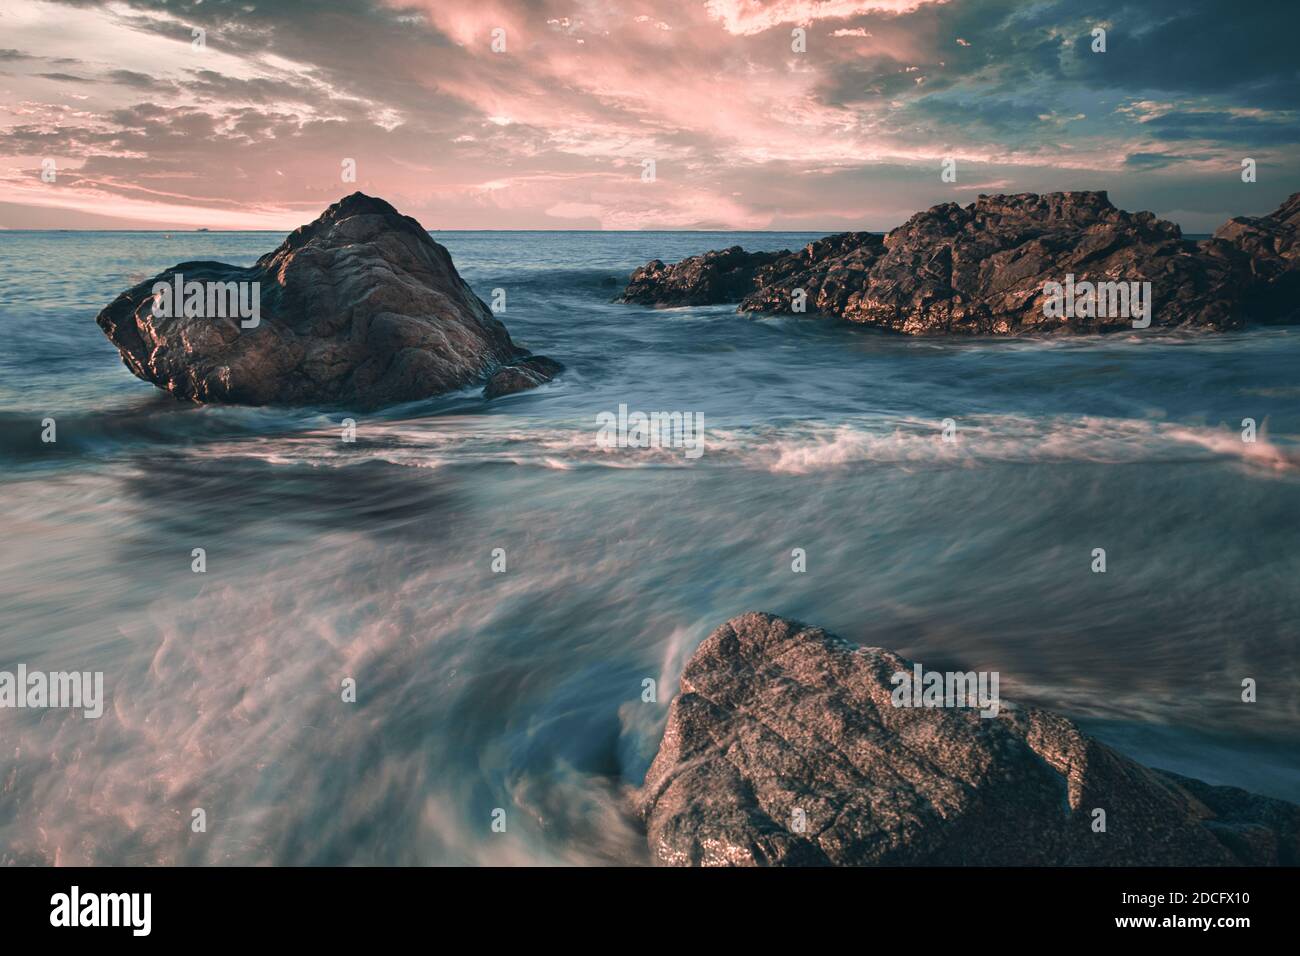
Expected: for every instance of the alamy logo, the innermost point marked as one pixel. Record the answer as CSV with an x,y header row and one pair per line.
x,y
1101,300
36,689
654,430
208,300
134,910
922,688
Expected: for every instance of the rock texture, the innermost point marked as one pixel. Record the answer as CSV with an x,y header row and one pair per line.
x,y
359,308
708,279
982,269
775,716
828,271
526,373
1272,246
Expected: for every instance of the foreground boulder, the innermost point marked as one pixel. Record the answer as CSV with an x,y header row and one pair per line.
x,y
359,308
784,747
989,269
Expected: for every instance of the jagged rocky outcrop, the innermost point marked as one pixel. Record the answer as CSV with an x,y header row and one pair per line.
x,y
359,308
714,277
828,271
1272,246
776,717
985,269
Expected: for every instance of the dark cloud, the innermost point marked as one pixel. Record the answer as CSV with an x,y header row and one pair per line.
x,y
1235,55
973,113
1152,160
138,81
1244,52
1242,130
65,78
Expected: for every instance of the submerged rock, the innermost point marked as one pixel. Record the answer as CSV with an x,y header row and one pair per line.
x,y
785,748
525,374
359,308
708,279
989,268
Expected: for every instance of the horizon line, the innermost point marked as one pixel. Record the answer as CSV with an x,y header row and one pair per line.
x,y
4,230
879,232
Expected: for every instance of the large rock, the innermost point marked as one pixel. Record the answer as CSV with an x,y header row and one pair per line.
x,y
360,308
828,271
708,279
982,269
776,717
985,269
1272,246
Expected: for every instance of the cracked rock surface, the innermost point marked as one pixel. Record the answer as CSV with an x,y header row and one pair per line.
x,y
776,717
725,275
982,269
358,308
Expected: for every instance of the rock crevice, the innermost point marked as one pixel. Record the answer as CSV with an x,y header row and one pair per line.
x,y
784,748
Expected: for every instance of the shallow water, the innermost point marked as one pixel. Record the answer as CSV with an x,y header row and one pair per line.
x,y
522,690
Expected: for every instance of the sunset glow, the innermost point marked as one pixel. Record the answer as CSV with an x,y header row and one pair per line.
x,y
147,128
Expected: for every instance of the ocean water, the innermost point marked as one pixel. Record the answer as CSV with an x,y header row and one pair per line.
x,y
522,691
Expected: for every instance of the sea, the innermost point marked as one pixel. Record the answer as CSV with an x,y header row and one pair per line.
x,y
454,639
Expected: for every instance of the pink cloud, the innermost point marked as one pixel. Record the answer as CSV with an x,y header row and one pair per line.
x,y
550,132
747,17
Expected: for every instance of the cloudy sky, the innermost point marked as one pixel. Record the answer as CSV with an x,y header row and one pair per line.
x,y
147,127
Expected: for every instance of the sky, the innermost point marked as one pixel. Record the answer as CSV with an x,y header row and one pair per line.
x,y
820,115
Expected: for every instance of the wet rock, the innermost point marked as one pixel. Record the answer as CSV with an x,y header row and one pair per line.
x,y
523,375
982,269
778,723
1271,245
988,269
708,279
359,308
827,272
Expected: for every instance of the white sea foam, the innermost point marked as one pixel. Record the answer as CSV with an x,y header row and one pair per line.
x,y
795,448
